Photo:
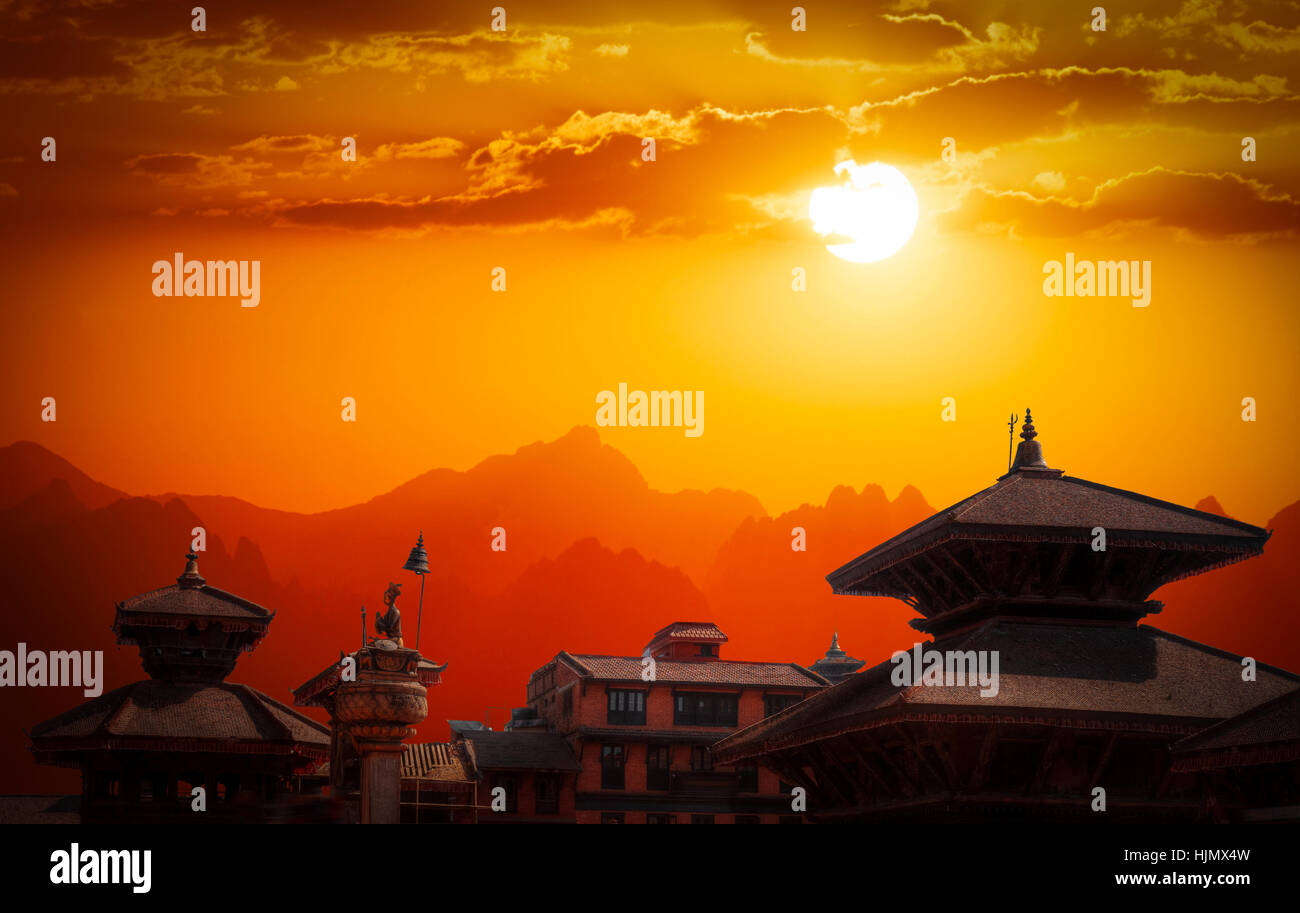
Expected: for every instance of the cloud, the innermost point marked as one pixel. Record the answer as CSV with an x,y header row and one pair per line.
x,y
1208,206
612,50
253,55
438,147
1050,181
900,43
983,112
479,56
706,176
195,170
297,143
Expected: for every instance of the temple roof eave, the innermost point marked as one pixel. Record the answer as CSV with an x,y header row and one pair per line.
x,y
1025,504
728,752
1036,689
868,574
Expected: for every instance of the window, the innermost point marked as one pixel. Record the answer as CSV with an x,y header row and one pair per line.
x,y
568,702
106,785
748,819
511,787
152,788
700,758
611,767
701,819
708,650
626,708
703,709
660,819
748,771
775,703
546,790
658,761
611,817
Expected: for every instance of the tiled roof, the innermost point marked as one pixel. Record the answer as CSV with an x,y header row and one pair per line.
x,y
434,761
523,750
689,630
1274,722
1076,671
702,672
1065,503
203,601
467,726
173,711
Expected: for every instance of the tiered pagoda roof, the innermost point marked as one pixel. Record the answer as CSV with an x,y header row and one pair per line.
x,y
836,664
190,631
1094,676
174,716
1025,547
1084,696
189,635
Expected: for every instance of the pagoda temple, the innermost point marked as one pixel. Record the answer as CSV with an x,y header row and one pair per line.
x,y
1043,579
836,665
143,748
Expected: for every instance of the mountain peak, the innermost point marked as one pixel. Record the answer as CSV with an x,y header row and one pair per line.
x,y
1210,504
27,467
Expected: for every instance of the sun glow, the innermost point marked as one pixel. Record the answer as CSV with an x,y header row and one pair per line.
x,y
876,209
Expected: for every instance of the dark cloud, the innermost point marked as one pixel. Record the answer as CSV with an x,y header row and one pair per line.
x,y
1209,206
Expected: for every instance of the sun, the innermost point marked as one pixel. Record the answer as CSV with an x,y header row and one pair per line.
x,y
876,209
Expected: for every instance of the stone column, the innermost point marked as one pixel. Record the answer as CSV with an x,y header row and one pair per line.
x,y
378,710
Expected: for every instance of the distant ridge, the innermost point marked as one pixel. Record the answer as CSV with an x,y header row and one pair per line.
x,y
596,561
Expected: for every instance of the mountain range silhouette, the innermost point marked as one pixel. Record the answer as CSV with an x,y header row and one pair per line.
x,y
596,560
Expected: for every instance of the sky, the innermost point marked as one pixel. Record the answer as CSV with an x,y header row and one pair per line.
x,y
522,149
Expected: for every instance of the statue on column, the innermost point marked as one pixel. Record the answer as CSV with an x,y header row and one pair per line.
x,y
389,624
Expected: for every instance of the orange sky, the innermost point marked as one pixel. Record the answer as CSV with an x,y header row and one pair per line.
x,y
521,149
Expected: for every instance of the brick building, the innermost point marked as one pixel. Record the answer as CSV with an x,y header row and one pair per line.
x,y
641,728
534,768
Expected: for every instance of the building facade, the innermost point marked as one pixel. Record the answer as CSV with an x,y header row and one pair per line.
x,y
641,727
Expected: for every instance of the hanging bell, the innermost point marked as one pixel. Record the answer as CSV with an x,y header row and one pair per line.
x,y
419,559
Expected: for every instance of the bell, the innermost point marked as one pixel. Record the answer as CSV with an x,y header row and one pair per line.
x,y
419,560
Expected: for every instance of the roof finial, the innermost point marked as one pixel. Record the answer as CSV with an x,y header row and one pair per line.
x,y
1029,455
1027,432
835,652
191,579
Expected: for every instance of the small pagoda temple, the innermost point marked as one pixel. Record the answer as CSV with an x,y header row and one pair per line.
x,y
836,665
1041,579
144,747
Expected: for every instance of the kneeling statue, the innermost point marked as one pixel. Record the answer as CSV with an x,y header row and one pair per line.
x,y
389,625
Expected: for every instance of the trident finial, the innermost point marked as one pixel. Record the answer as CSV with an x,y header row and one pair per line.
x,y
1011,437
